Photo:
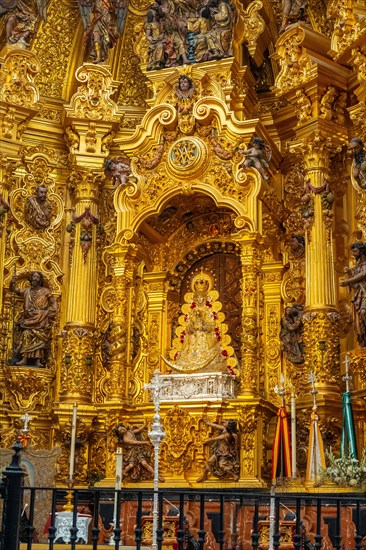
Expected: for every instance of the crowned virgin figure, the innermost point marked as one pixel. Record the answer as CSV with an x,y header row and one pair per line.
x,y
202,342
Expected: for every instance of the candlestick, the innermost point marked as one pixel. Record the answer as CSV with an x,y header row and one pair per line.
x,y
117,487
73,441
156,435
293,433
347,378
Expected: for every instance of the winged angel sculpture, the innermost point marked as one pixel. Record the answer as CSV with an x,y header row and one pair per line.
x,y
104,21
21,18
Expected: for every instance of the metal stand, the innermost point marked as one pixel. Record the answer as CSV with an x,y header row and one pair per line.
x,y
156,435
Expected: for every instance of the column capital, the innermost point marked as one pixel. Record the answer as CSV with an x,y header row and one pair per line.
x,y
121,258
316,149
84,185
92,100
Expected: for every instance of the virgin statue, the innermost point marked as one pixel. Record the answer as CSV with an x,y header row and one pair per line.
x,y
201,343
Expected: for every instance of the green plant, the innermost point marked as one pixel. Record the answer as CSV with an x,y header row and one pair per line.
x,y
346,470
93,477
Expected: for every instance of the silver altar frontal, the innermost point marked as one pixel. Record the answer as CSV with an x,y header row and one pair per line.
x,y
64,522
198,387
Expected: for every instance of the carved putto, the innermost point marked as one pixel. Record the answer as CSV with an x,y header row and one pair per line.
x,y
258,156
104,22
327,103
202,344
188,32
119,169
21,18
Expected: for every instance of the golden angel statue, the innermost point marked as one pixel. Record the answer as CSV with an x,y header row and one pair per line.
x,y
202,342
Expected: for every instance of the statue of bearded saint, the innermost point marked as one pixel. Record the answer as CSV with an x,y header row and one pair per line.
x,y
202,344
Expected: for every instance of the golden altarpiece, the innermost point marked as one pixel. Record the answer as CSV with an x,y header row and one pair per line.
x,y
119,253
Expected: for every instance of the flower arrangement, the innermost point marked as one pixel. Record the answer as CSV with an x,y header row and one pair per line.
x,y
345,471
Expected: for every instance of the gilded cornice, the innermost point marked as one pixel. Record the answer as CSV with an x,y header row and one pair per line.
x,y
18,70
92,100
349,19
303,56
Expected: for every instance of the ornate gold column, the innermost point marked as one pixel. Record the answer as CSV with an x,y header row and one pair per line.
x,y
79,341
250,260
321,319
316,88
88,119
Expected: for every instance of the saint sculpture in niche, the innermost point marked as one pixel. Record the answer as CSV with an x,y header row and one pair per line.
x,y
202,342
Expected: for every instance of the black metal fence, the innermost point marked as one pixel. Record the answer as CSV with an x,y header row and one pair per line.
x,y
187,519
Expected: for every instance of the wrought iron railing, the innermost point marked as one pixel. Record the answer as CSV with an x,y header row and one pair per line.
x,y
188,519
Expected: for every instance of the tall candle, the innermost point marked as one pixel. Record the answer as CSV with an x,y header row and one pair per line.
x,y
73,441
118,483
347,377
293,433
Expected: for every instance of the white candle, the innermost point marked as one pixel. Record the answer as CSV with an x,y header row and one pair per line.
x,y
73,441
347,377
118,482
293,433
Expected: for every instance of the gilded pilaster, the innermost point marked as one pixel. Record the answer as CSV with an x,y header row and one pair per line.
x,y
250,260
7,168
157,319
272,273
123,269
88,118
252,431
